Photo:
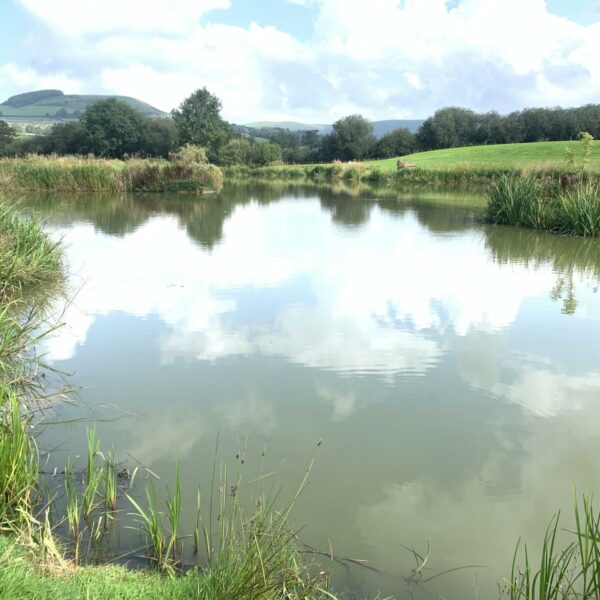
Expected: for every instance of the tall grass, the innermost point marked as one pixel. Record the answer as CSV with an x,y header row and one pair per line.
x,y
525,201
28,258
18,464
53,173
60,174
567,572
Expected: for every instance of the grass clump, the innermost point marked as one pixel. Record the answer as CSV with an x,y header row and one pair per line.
x,y
54,173
146,176
18,464
570,572
28,258
525,201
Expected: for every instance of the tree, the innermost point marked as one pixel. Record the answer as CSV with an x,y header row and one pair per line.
x,y
449,127
66,138
398,142
112,128
237,151
198,121
352,138
159,137
7,134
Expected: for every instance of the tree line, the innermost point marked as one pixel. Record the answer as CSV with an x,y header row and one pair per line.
x,y
112,129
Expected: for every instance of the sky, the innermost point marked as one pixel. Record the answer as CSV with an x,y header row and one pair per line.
x,y
308,60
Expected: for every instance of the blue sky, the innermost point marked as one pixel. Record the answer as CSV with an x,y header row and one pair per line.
x,y
308,60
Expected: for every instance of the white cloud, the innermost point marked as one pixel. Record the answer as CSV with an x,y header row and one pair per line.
x,y
83,17
384,58
355,319
27,78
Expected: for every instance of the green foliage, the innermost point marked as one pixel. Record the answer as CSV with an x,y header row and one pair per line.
x,y
158,137
18,464
198,121
7,134
399,142
351,139
28,259
529,202
97,175
190,154
240,151
111,128
580,160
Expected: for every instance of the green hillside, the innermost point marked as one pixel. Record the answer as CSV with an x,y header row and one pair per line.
x,y
498,155
380,128
54,105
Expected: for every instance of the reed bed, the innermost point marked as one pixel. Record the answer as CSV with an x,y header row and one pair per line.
x,y
572,208
54,173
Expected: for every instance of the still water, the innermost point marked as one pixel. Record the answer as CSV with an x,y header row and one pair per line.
x,y
452,370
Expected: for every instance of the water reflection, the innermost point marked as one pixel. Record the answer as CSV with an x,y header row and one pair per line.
x,y
452,367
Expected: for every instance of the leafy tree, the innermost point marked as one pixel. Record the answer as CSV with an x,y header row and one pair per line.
x,y
112,128
66,138
198,121
398,142
7,134
158,138
352,138
237,151
449,127
241,151
264,153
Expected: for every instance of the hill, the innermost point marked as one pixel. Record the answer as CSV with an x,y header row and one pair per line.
x,y
54,105
380,127
498,155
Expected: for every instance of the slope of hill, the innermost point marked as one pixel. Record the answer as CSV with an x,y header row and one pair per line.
x,y
54,105
380,127
533,154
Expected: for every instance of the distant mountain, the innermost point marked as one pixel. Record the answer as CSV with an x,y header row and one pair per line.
x,y
54,105
380,127
383,127
291,125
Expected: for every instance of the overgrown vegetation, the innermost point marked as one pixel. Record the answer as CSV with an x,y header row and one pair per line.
x,y
573,207
53,173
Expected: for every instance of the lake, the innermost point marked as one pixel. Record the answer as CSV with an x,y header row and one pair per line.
x,y
444,374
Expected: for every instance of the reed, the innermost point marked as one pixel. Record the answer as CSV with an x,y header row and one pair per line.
x,y
53,173
18,464
567,572
29,260
525,201
93,475
578,211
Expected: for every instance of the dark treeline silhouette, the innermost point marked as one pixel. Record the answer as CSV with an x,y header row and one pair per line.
x,y
454,127
110,128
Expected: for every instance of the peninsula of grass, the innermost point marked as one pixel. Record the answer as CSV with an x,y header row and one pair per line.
x,y
473,166
78,174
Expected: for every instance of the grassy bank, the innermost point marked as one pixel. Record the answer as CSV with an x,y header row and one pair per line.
x,y
40,173
456,175
525,201
533,156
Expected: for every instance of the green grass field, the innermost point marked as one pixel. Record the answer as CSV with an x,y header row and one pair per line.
x,y
535,154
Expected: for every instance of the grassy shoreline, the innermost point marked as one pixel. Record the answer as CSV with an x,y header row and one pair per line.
x,y
40,173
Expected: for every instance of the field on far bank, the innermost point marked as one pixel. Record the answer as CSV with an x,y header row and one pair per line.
x,y
534,154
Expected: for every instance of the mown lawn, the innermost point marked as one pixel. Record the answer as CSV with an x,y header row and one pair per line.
x,y
542,154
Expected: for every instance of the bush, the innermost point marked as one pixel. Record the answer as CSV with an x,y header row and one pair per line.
x,y
189,154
